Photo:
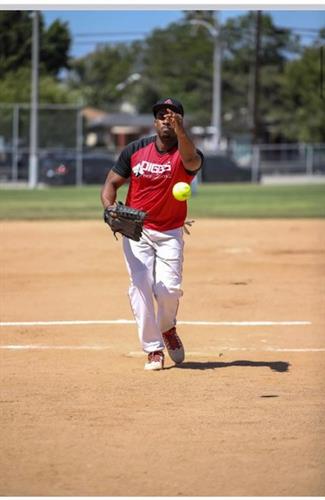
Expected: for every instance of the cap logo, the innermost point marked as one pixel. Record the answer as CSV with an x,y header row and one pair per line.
x,y
168,101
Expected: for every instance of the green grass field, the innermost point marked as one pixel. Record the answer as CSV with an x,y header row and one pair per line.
x,y
211,200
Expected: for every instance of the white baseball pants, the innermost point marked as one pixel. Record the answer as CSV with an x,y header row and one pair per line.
x,y
155,265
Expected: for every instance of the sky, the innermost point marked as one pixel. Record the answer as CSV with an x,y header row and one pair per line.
x,y
89,27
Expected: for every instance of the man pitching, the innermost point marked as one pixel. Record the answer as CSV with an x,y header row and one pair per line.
x,y
153,166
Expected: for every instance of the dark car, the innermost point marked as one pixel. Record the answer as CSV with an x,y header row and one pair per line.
x,y
219,168
59,169
13,167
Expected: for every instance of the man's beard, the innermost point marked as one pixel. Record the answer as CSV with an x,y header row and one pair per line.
x,y
168,135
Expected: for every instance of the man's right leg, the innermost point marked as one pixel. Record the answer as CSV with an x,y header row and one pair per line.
x,y
140,258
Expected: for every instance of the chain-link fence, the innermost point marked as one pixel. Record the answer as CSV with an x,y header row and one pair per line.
x,y
63,157
281,159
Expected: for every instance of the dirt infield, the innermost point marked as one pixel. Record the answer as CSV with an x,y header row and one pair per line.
x,y
243,416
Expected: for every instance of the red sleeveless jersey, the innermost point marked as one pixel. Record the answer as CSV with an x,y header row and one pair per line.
x,y
152,175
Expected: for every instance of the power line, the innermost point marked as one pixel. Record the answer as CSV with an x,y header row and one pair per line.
x,y
107,40
275,31
135,33
111,33
101,42
315,30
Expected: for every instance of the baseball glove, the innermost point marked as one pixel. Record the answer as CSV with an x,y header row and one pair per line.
x,y
125,220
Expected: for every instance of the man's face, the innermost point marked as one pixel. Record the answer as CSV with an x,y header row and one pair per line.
x,y
163,126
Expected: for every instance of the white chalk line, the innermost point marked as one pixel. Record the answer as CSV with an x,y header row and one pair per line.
x,y
238,349
54,347
127,322
25,347
132,322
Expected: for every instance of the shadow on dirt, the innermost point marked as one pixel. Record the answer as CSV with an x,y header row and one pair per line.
x,y
278,366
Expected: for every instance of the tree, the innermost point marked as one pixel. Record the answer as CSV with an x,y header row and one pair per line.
x,y
55,126
177,61
15,87
54,47
238,65
172,61
98,74
16,40
202,15
302,115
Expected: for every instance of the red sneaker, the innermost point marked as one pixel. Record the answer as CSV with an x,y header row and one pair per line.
x,y
155,361
174,345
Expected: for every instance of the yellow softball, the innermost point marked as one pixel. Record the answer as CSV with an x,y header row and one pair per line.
x,y
182,191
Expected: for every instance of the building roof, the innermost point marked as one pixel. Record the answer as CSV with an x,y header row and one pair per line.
x,y
122,119
92,113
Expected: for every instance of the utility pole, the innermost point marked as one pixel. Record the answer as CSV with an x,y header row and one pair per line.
x,y
214,30
256,84
33,144
216,95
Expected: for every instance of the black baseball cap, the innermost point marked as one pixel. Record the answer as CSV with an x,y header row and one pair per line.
x,y
170,103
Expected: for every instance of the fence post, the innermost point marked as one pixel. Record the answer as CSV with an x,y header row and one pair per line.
x,y
33,132
255,163
15,139
309,159
79,144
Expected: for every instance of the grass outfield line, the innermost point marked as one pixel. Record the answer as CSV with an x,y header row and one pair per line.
x,y
211,200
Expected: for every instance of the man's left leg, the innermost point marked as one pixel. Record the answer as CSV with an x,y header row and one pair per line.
x,y
167,288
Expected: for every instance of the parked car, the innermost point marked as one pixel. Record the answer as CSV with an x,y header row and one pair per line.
x,y
7,168
59,169
219,168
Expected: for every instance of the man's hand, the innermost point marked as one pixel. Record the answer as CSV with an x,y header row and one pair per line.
x,y
191,159
176,121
